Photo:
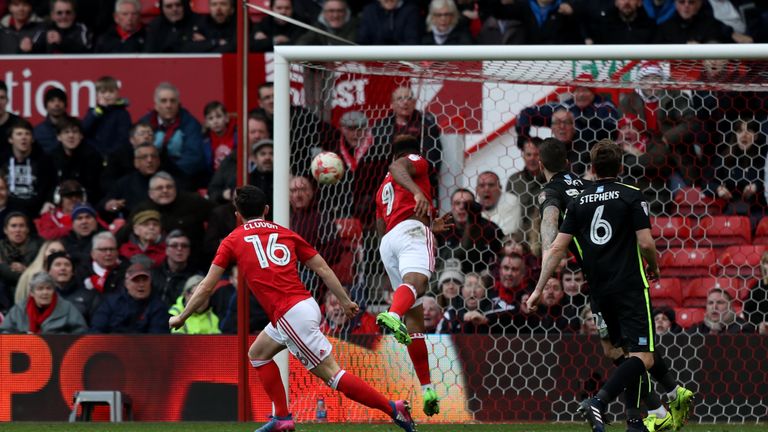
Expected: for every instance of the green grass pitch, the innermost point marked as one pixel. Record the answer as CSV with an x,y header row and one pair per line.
x,y
310,427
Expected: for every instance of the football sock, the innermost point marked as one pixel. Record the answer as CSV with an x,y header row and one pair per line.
x,y
672,395
635,393
403,299
360,392
269,374
661,373
627,374
417,350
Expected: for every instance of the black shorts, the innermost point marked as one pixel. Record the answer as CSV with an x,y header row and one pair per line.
x,y
625,319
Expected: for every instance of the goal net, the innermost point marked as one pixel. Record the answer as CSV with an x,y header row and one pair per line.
x,y
692,123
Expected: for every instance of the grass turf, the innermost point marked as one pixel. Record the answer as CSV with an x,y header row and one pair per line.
x,y
245,427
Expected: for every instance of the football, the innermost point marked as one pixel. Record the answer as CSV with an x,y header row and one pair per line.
x,y
327,168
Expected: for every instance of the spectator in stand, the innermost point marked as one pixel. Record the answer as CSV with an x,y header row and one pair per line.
x,y
132,188
178,136
204,319
217,31
28,170
128,34
548,317
266,91
336,323
619,22
85,225
664,321
37,265
55,100
168,279
433,315
44,311
20,29
405,119
739,20
187,211
6,118
63,35
574,299
756,305
544,22
104,271
588,326
390,22
449,283
121,162
60,268
75,159
473,240
55,221
443,25
306,219
220,134
336,19
307,10
133,309
690,24
738,172
146,238
501,208
720,317
107,125
17,250
470,316
594,118
526,185
8,203
261,175
660,11
513,282
173,29
273,31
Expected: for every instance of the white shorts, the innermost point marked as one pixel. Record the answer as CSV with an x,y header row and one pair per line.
x,y
408,248
299,331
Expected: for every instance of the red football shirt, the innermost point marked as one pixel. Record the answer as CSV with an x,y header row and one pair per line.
x,y
395,203
267,254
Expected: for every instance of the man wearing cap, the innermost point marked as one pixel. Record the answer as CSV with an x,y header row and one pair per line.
x,y
56,108
84,226
56,220
146,239
133,309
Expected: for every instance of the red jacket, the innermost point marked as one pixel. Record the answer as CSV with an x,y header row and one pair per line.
x,y
155,251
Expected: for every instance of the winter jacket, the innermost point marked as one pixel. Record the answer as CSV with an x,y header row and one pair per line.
x,y
401,26
154,251
184,150
121,313
74,40
271,29
167,285
107,128
205,322
348,31
65,319
84,165
164,36
219,38
112,42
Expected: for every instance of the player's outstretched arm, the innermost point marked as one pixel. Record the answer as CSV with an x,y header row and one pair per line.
x,y
648,251
202,293
318,265
402,172
552,258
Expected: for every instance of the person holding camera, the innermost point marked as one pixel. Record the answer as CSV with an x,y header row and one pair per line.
x,y
474,240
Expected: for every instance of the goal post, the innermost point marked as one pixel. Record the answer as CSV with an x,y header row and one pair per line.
x,y
486,104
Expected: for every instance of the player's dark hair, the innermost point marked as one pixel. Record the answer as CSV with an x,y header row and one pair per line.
x,y
553,155
405,144
606,158
250,201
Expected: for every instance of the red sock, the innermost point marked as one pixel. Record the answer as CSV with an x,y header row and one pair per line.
x,y
360,392
420,357
269,374
403,299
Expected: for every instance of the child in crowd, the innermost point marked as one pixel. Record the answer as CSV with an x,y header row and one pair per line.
x,y
106,125
220,136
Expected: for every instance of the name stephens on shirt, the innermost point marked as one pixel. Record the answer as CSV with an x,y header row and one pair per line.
x,y
605,196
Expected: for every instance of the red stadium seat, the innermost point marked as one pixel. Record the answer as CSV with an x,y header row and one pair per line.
x,y
761,234
741,260
666,292
149,10
687,262
200,6
696,291
671,231
692,200
724,230
688,317
254,14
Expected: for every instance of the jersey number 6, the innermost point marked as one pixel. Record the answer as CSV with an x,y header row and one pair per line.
x,y
598,223
277,253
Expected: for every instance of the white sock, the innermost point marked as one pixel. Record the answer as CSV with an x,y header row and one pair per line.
x,y
394,314
660,412
426,387
673,394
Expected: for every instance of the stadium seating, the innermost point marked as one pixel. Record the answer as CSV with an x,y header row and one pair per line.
x,y
666,292
670,231
696,290
149,10
687,262
723,230
741,260
692,200
687,317
761,234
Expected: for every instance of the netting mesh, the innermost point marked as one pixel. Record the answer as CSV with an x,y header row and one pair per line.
x,y
693,133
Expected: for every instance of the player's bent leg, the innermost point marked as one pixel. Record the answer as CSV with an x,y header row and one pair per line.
x,y
359,391
417,350
405,296
260,354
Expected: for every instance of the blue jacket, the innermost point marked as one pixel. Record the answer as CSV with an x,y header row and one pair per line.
x,y
45,135
185,148
121,313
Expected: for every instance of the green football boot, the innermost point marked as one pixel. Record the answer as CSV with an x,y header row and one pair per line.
x,y
431,403
387,321
682,407
655,424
